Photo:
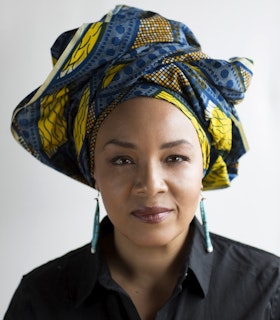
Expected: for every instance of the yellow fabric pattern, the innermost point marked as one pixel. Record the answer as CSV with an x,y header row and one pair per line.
x,y
186,57
220,127
168,77
238,125
80,123
112,71
52,124
200,132
161,31
217,177
85,47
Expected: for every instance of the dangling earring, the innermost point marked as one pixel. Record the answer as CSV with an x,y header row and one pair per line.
x,y
208,243
95,226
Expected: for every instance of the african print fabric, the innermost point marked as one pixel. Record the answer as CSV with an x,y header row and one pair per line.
x,y
131,53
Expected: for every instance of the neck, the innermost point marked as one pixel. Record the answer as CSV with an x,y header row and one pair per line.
x,y
148,274
152,263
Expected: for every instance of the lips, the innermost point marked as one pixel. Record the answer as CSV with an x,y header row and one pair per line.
x,y
152,215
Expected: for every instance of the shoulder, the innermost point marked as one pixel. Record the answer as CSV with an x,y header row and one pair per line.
x,y
69,261
57,285
252,275
246,263
243,254
61,278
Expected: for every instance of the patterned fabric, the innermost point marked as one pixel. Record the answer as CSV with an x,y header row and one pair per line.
x,y
130,53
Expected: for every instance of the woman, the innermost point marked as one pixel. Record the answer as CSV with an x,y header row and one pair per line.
x,y
136,110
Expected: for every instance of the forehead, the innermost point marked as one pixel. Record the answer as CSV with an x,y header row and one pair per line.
x,y
144,114
145,119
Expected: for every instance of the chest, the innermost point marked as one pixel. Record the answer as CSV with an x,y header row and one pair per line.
x,y
183,305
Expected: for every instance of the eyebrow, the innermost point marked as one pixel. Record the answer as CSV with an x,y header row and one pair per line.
x,y
175,143
129,145
120,143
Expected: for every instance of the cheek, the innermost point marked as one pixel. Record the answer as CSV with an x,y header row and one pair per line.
x,y
190,177
187,185
110,182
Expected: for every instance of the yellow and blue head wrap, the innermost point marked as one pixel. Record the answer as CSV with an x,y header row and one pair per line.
x,y
130,53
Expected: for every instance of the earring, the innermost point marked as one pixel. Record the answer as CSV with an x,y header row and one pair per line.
x,y
95,232
208,243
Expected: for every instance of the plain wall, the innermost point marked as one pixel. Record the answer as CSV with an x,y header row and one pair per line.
x,y
45,214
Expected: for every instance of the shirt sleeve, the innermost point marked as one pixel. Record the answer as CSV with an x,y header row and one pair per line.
x,y
20,307
275,303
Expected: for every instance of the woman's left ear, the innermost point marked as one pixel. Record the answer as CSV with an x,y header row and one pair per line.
x,y
95,183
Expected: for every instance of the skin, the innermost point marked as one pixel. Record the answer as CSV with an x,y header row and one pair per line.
x,y
148,169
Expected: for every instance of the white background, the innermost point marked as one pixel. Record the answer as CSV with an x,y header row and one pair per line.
x,y
44,214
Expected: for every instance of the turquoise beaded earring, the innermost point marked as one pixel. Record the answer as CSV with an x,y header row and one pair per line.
x,y
208,242
95,232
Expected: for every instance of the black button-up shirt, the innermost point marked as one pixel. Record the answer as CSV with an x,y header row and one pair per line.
x,y
234,282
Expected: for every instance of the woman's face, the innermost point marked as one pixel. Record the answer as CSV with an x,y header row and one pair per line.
x,y
148,168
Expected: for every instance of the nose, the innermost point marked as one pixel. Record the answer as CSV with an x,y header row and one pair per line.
x,y
150,179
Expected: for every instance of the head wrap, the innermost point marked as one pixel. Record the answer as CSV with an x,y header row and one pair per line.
x,y
131,53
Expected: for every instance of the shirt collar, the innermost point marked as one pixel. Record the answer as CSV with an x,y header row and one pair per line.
x,y
88,276
198,267
199,261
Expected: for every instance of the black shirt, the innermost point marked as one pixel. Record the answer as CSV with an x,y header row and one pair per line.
x,y
234,282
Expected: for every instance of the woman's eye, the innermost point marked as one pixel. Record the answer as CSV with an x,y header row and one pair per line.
x,y
176,158
120,161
